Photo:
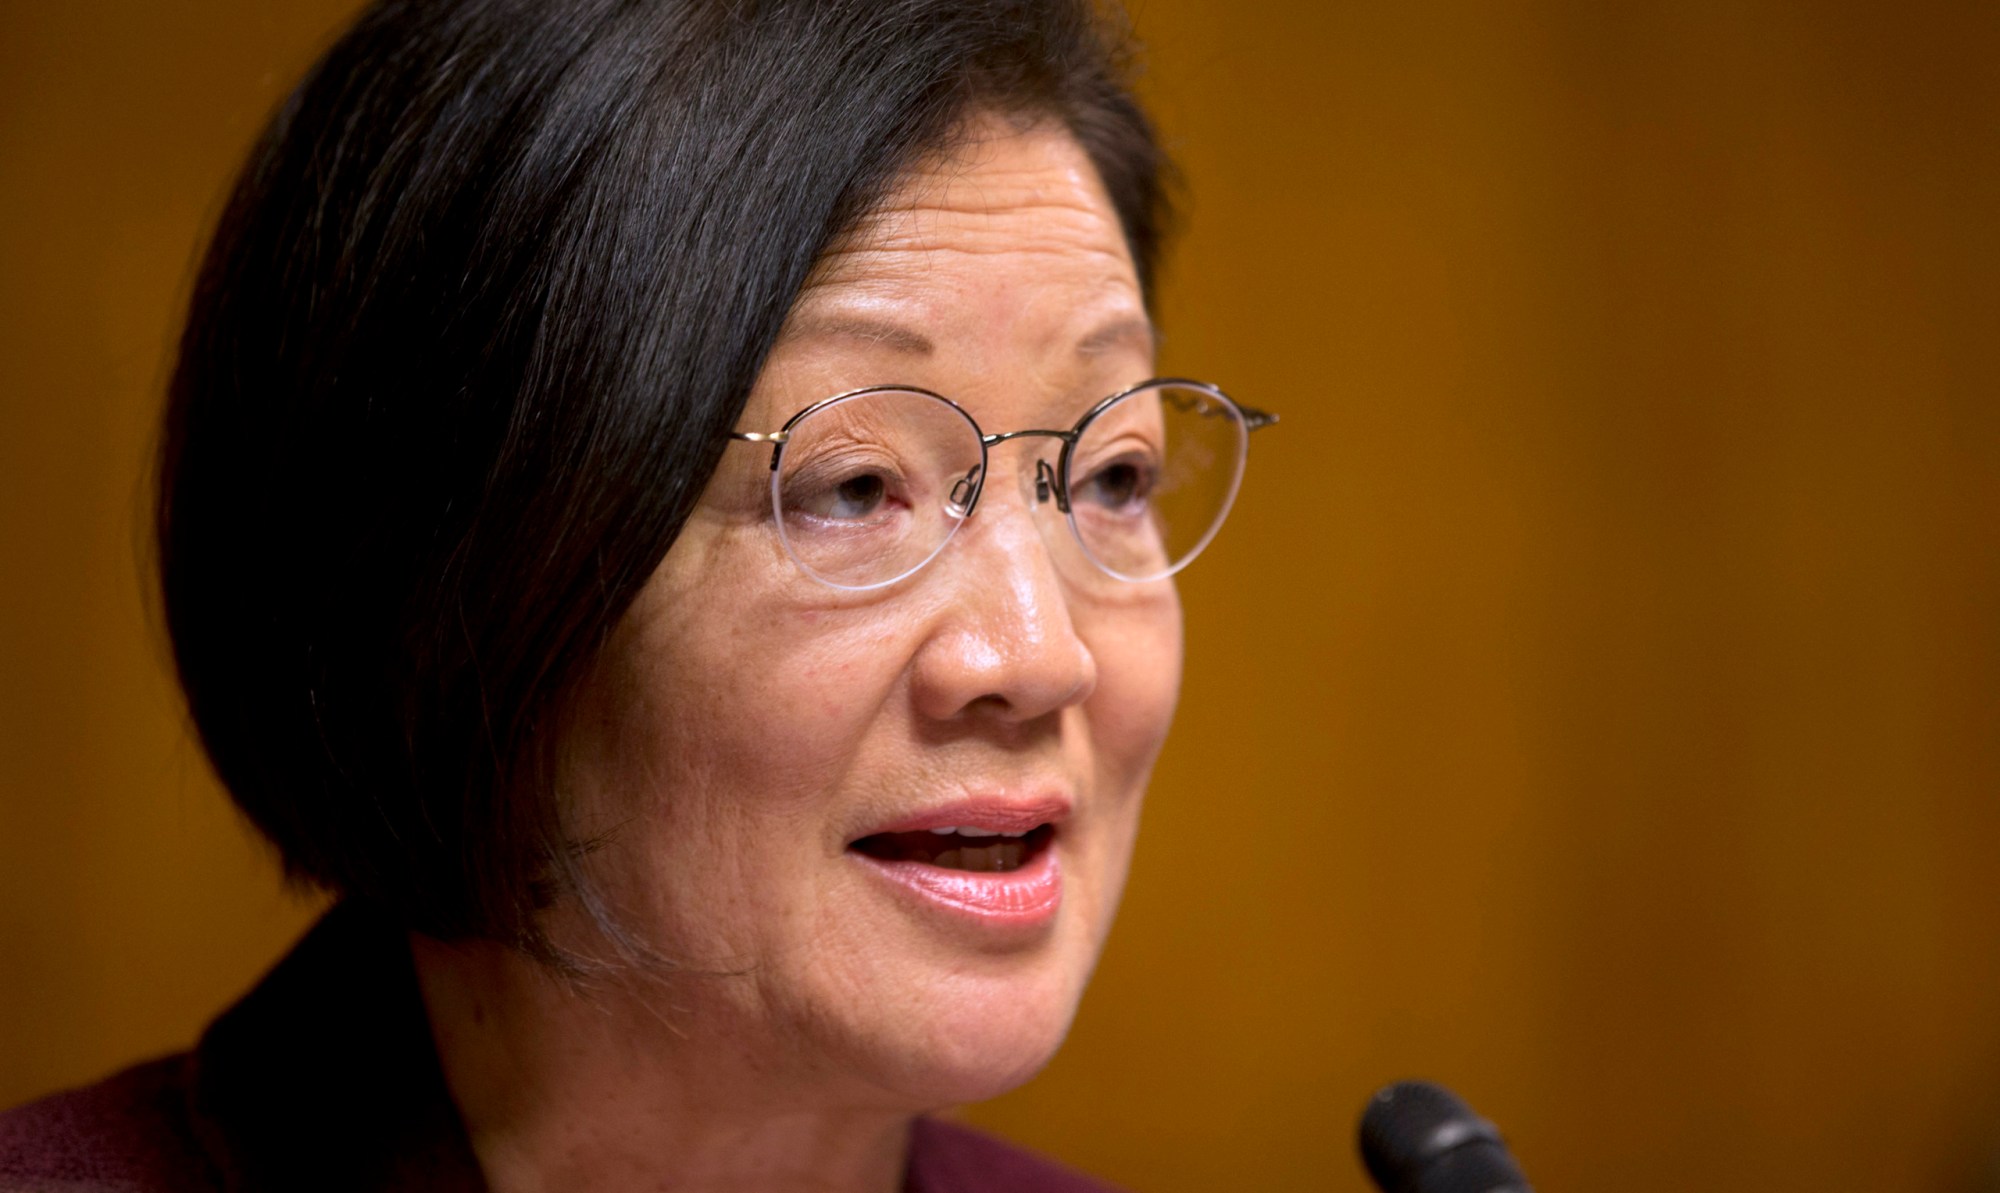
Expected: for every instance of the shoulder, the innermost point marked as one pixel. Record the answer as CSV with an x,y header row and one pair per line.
x,y
129,1133
950,1158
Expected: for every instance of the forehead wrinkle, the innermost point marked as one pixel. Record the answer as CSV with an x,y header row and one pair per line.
x,y
981,203
888,332
1004,257
871,290
893,241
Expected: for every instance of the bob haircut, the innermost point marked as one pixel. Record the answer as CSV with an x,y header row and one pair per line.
x,y
488,295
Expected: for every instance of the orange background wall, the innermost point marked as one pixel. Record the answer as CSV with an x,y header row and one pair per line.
x,y
1594,704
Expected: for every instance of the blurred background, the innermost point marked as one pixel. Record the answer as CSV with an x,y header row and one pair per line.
x,y
1594,703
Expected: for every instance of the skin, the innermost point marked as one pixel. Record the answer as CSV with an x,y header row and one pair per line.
x,y
746,723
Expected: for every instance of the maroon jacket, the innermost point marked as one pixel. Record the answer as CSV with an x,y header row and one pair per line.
x,y
324,1078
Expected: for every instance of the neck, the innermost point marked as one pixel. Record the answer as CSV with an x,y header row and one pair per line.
x,y
572,1089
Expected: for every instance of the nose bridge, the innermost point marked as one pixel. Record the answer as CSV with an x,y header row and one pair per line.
x,y
1012,598
1034,476
989,444
1029,466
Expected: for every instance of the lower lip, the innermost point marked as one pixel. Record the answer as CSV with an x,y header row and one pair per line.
x,y
1021,898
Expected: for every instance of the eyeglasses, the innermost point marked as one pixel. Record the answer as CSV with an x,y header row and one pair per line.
x,y
869,485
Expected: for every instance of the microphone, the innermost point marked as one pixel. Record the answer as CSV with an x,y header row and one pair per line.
x,y
1420,1138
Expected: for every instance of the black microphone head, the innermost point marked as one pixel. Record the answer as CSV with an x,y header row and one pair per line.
x,y
1420,1138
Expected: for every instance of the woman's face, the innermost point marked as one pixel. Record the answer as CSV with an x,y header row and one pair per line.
x,y
770,755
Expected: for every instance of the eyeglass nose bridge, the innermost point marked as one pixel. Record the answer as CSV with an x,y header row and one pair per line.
x,y
965,492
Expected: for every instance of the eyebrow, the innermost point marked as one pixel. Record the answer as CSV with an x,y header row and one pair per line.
x,y
1133,330
880,332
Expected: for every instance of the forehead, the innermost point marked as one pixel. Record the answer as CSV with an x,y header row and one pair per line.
x,y
1000,258
1002,189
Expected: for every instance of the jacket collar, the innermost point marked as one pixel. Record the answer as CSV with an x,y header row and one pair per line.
x,y
325,1076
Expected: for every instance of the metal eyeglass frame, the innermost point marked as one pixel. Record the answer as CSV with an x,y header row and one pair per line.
x,y
1048,484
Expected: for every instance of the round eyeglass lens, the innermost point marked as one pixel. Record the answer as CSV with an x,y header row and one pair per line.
x,y
1152,475
872,484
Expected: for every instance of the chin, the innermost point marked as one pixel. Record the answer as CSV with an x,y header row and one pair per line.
x,y
974,1036
977,1062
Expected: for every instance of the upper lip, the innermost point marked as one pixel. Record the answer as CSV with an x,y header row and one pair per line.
x,y
1001,814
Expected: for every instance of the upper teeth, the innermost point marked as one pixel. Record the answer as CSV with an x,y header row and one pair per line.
x,y
971,831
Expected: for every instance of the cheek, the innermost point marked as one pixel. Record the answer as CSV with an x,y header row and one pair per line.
x,y
744,728
707,747
1138,653
1139,673
729,680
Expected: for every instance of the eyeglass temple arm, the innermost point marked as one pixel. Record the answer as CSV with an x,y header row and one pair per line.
x,y
1255,419
761,436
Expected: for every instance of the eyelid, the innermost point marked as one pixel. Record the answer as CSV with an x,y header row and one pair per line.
x,y
839,452
1120,443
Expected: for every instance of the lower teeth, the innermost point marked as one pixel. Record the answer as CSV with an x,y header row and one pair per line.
x,y
984,859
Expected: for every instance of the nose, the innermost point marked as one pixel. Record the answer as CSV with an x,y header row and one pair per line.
x,y
1004,643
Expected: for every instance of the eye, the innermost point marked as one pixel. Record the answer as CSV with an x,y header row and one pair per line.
x,y
856,497
847,496
1120,485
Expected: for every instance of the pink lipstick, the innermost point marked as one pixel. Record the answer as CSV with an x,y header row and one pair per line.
x,y
987,860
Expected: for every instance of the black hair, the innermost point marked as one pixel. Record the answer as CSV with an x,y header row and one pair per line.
x,y
489,293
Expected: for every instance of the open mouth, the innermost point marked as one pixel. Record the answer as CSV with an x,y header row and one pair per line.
x,y
971,849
